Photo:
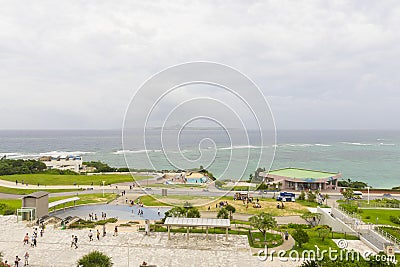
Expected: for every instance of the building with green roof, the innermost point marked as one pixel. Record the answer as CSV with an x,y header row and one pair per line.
x,y
301,179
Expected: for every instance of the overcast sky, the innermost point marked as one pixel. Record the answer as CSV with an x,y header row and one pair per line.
x,y
321,64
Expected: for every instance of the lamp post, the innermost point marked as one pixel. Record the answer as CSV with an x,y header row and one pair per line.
x,y
103,187
368,194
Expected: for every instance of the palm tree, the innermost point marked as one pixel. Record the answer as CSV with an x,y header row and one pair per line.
x,y
223,214
231,210
326,196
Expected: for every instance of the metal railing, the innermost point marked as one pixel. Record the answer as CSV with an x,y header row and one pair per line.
x,y
388,236
351,215
379,205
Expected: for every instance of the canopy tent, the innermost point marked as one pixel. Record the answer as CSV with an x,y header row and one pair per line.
x,y
196,222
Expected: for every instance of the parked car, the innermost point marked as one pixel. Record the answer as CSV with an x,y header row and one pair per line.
x,y
387,195
286,196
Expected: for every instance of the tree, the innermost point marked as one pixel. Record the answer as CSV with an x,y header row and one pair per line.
x,y
192,213
348,194
300,236
262,186
324,232
250,177
311,218
302,195
223,214
231,210
263,222
326,196
95,259
311,196
187,212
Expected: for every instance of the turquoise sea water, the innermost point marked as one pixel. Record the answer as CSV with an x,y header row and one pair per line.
x,y
370,156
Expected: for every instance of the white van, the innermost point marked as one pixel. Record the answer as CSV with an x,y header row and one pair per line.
x,y
358,195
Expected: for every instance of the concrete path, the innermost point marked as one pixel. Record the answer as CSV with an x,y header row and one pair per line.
x,y
286,245
130,248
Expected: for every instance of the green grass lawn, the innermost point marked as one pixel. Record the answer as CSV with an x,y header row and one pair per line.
x,y
370,215
315,239
256,240
18,191
57,179
14,204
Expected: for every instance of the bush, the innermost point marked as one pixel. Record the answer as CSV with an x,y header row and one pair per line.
x,y
298,226
262,187
395,219
349,208
6,210
219,183
300,236
302,196
311,197
91,224
368,217
95,259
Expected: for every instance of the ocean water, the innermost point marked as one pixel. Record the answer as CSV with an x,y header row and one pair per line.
x,y
372,156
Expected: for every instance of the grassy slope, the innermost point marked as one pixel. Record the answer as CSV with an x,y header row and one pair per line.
x,y
84,199
316,240
17,191
54,179
393,231
383,215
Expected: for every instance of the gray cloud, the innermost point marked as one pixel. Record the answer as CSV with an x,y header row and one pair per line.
x,y
321,64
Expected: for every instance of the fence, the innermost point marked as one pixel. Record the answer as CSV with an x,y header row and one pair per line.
x,y
388,236
379,205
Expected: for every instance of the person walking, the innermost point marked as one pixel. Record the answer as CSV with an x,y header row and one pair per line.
x,y
104,230
76,241
90,235
98,234
26,239
158,212
26,257
115,231
286,235
17,260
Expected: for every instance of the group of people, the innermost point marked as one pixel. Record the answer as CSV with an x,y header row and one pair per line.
x,y
140,212
93,217
18,260
221,204
33,243
33,237
90,235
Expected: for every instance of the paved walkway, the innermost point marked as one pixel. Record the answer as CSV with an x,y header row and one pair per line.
x,y
130,248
